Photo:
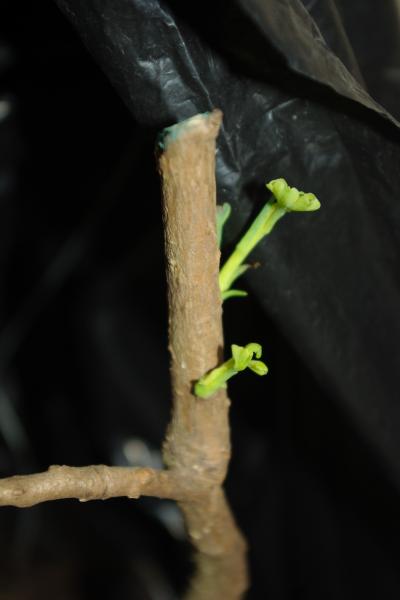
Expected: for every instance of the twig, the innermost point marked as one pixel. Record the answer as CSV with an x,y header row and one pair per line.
x,y
97,482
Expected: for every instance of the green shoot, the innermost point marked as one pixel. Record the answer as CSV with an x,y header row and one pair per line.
x,y
242,358
285,199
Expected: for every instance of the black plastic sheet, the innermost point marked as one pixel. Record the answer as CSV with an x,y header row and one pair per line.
x,y
316,472
329,280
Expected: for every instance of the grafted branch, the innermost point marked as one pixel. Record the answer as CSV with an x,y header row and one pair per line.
x,y
197,444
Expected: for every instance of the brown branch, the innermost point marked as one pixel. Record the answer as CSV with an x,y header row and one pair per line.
x,y
197,443
97,482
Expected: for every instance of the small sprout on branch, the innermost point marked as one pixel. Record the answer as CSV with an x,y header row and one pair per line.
x,y
291,199
285,199
223,213
242,358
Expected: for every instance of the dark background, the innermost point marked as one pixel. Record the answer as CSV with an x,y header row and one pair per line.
x,y
315,475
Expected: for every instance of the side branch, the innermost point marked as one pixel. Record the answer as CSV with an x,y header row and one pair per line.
x,y
96,482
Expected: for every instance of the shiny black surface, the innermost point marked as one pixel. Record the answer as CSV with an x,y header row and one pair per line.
x,y
315,476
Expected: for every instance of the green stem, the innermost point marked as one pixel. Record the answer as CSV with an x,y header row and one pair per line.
x,y
261,226
215,379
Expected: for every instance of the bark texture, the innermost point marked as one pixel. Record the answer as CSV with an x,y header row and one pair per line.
x,y
96,482
197,444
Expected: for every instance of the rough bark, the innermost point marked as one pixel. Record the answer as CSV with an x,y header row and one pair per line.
x,y
96,482
197,445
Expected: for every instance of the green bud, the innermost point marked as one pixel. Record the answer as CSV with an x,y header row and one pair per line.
x,y
242,357
255,349
291,199
258,367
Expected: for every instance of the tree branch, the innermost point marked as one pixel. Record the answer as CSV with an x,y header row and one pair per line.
x,y
97,482
197,445
197,442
